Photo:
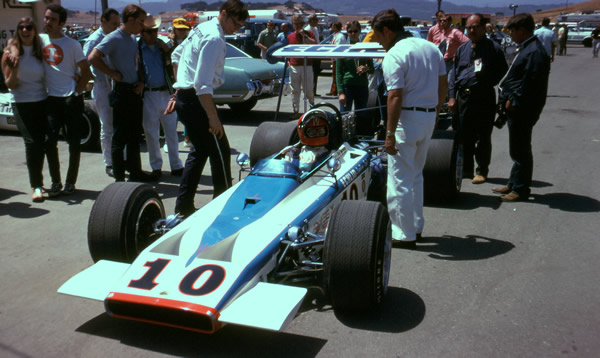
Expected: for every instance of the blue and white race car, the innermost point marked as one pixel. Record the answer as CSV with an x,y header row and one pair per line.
x,y
309,212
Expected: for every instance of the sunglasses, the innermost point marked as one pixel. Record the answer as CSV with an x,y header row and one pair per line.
x,y
353,31
26,27
151,31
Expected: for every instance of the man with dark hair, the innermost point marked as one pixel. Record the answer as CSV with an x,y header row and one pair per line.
x,y
415,75
478,67
301,74
201,61
64,61
121,50
547,37
110,20
523,96
266,39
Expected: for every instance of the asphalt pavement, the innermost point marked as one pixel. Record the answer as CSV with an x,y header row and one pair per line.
x,y
490,279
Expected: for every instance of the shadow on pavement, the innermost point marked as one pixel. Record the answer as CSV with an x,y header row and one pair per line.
x,y
534,183
21,210
468,201
471,247
230,341
401,311
78,197
567,202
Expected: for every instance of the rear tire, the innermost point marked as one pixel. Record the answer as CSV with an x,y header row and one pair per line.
x,y
357,256
90,129
121,221
270,138
442,174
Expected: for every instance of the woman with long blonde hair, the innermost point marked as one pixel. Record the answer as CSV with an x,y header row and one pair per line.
x,y
25,78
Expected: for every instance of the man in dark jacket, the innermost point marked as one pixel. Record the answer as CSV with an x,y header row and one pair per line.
x,y
478,66
523,96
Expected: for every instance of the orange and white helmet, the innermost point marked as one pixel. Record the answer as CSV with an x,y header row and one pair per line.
x,y
313,128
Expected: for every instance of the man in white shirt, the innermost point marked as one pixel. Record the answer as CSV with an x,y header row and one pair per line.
x,y
64,61
415,75
110,20
200,63
313,22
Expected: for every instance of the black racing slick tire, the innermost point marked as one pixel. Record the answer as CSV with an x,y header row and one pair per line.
x,y
121,221
270,138
357,256
245,106
442,174
90,128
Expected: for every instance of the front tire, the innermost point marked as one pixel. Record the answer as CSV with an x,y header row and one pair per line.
x,y
357,256
121,221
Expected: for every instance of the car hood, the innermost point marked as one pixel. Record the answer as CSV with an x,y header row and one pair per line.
x,y
255,68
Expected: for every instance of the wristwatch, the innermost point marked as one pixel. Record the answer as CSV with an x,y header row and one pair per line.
x,y
389,133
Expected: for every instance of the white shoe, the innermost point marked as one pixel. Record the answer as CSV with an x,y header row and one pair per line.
x,y
166,149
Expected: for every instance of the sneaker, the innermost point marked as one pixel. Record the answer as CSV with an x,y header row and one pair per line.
x,y
38,195
157,173
109,171
69,189
165,149
54,190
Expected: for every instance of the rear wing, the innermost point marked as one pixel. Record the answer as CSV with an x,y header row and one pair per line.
x,y
359,50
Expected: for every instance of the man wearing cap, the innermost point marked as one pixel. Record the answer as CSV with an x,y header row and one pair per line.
x,y
102,85
154,59
126,97
201,66
266,39
180,31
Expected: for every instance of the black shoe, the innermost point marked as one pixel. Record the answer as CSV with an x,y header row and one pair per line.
x,y
157,173
185,213
142,177
69,189
177,172
408,245
109,171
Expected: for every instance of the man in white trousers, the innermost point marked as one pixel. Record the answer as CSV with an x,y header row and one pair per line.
x,y
415,75
109,20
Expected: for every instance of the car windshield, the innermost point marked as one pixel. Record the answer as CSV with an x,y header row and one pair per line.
x,y
233,51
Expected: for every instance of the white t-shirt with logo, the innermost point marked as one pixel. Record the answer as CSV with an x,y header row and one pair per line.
x,y
60,60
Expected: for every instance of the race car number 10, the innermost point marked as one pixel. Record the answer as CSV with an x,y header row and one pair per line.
x,y
216,275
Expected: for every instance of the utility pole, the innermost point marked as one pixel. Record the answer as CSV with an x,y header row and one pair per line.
x,y
439,2
104,4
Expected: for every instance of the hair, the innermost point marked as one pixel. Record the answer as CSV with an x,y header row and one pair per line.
x,y
355,25
482,19
337,26
387,18
296,17
522,20
235,8
106,14
437,13
37,44
61,11
133,11
546,21
313,17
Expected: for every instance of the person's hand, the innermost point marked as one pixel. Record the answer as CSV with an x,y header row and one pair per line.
x,y
12,59
215,127
117,76
452,105
509,106
390,145
139,87
342,99
170,106
361,70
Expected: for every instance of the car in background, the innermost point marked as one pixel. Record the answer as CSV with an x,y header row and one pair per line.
x,y
245,39
580,35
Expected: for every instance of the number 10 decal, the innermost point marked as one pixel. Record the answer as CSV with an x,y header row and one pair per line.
x,y
186,286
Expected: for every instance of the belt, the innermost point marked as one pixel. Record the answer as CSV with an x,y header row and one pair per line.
x,y
161,88
420,109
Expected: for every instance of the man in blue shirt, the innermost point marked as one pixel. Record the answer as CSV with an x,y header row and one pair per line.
x,y
154,58
478,66
102,85
285,31
126,97
547,37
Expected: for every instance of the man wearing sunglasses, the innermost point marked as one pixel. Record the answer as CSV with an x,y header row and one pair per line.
x,y
479,65
200,61
447,38
154,58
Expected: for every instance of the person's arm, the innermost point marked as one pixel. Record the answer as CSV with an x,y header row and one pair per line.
x,y
86,75
309,37
10,72
442,92
208,59
215,126
95,58
339,80
394,105
259,43
451,82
